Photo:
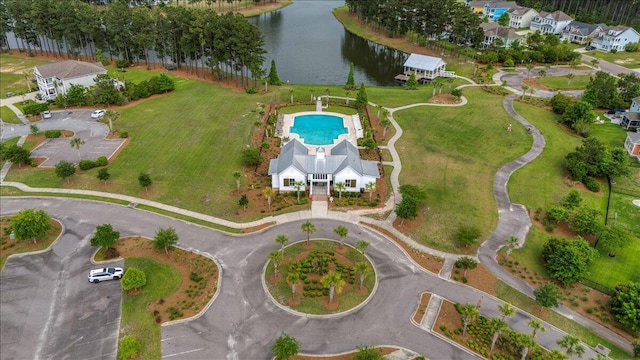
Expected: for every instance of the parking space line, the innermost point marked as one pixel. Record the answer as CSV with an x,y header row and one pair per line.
x,y
182,353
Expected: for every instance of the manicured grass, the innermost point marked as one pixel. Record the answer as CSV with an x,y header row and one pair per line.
x,y
346,299
136,320
610,271
189,146
453,153
189,219
622,58
530,256
611,134
510,295
136,74
554,83
540,184
9,116
12,77
332,108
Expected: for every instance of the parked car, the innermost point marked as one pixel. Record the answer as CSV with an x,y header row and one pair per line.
x,y
589,48
104,274
46,114
171,67
98,114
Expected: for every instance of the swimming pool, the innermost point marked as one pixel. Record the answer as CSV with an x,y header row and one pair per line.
x,y
318,129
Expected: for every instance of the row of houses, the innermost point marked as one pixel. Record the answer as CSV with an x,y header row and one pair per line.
x,y
598,36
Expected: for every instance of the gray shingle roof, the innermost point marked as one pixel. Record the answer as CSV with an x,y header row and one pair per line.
x,y
634,137
343,155
501,4
583,29
69,69
424,62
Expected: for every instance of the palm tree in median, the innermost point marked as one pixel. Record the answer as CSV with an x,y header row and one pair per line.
x,y
536,325
282,240
335,282
76,143
469,314
276,257
342,232
340,187
506,310
268,193
292,278
362,246
309,228
497,325
512,242
363,269
385,122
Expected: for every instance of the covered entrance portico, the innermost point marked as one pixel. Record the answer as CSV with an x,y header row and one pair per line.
x,y
319,184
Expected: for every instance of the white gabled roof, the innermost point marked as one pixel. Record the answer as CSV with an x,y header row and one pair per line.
x,y
424,62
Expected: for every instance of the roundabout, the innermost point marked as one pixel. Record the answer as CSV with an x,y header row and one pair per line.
x,y
320,278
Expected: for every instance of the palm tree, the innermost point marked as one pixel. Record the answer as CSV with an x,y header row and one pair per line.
x,y
309,228
524,91
385,122
571,345
524,341
512,242
569,77
506,310
276,257
268,193
76,143
536,325
342,232
298,185
469,314
532,90
340,187
292,278
363,269
450,82
371,187
498,325
529,67
362,246
237,175
335,282
282,240
110,115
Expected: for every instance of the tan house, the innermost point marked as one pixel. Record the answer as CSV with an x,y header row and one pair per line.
x,y
550,23
520,17
493,31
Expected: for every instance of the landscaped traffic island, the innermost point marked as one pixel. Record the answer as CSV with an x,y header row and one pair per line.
x,y
319,277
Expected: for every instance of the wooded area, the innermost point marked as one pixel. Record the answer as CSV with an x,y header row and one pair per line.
x,y
199,39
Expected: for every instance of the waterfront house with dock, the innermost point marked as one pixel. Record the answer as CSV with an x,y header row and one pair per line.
x,y
424,67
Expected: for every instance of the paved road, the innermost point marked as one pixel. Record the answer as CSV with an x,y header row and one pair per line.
x,y
75,120
243,322
48,308
609,67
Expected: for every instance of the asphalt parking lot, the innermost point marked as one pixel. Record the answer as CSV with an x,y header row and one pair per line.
x,y
48,308
90,130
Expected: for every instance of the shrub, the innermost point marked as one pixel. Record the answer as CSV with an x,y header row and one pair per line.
x,y
251,90
591,184
52,134
129,347
124,135
122,63
87,164
102,161
632,47
35,108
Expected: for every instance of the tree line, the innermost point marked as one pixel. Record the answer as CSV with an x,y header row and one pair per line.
x,y
198,39
431,18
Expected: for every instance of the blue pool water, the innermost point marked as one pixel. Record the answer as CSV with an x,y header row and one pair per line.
x,y
317,129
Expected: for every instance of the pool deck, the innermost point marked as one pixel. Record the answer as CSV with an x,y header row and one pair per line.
x,y
347,122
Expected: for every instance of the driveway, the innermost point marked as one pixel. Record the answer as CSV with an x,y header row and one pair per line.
x,y
48,308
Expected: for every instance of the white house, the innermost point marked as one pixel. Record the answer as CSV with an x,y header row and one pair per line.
x,y
56,78
424,67
520,17
493,31
578,32
321,171
631,119
615,37
550,23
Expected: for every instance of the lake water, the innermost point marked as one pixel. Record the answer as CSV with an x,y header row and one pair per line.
x,y
311,47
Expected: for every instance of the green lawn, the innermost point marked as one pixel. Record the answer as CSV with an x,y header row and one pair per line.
x,y
12,78
510,295
555,83
612,134
541,184
136,320
189,146
454,153
622,58
7,115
